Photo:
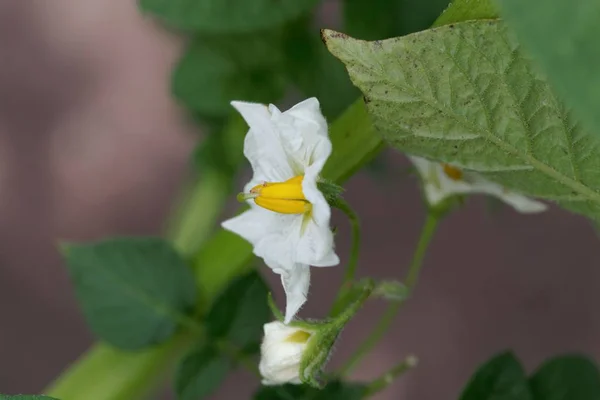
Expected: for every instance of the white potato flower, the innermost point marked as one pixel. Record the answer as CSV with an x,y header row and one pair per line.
x,y
281,351
441,181
288,219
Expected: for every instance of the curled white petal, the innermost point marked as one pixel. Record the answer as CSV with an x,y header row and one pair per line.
x,y
262,145
296,282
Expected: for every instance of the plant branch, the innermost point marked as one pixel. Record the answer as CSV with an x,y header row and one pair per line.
x,y
410,281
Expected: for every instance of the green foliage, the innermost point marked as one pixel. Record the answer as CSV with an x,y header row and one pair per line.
x,y
239,313
335,390
234,327
215,70
465,10
501,378
563,38
133,291
25,397
200,373
465,94
222,150
568,377
382,19
314,71
218,16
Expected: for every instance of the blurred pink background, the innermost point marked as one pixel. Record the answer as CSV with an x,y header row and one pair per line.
x,y
92,145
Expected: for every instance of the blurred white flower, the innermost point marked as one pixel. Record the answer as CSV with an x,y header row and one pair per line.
x,y
441,181
288,219
281,353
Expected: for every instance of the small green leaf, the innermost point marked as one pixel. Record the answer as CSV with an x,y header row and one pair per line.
x,y
25,397
501,378
569,377
213,71
200,373
133,291
335,390
233,16
465,94
391,290
563,38
239,313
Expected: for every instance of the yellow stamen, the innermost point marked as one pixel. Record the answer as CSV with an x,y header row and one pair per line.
x,y
298,337
453,173
282,197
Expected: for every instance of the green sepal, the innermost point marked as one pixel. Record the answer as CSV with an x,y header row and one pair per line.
x,y
319,346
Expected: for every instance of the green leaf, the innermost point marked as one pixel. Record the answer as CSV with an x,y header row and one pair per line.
x,y
501,378
563,38
464,93
213,71
222,150
464,10
133,291
239,313
569,377
314,71
335,390
25,397
200,373
382,19
218,16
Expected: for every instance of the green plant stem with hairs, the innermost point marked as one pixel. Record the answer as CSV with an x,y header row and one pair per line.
x,y
410,281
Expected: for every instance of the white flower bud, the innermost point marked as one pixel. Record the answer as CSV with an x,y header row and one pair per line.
x,y
281,353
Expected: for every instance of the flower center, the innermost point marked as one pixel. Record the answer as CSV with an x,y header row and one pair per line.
x,y
299,336
282,197
453,173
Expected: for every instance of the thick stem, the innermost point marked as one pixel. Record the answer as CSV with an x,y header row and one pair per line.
x,y
386,320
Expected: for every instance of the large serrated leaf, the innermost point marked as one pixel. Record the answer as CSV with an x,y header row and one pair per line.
x,y
466,94
134,292
563,37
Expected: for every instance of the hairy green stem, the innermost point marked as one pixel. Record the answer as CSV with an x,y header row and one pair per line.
x,y
386,379
352,265
410,281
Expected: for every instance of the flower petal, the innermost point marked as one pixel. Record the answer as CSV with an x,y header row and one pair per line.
x,y
321,211
296,281
262,145
257,224
315,245
438,186
310,110
518,201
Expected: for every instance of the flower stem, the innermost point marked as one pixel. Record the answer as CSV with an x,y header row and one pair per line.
x,y
410,281
352,265
386,379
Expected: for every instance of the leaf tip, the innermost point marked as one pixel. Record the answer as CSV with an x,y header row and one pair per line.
x,y
328,34
64,247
